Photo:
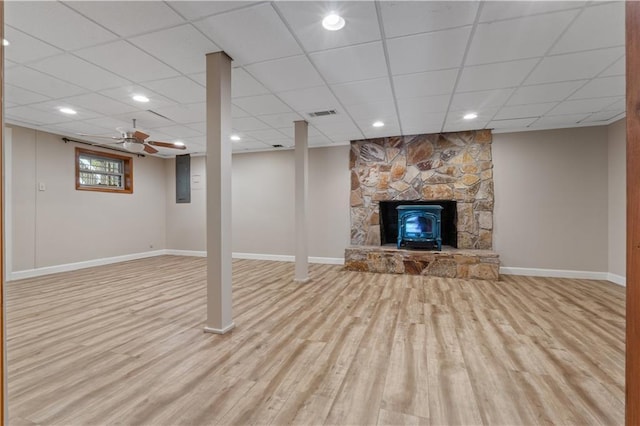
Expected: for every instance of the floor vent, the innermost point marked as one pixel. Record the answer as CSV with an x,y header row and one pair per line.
x,y
323,113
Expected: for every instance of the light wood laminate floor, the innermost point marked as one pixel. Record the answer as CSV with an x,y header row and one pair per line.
x,y
124,344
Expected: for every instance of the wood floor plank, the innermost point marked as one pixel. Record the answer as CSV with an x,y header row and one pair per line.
x,y
124,344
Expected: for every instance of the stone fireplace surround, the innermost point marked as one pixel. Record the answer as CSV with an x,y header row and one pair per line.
x,y
445,166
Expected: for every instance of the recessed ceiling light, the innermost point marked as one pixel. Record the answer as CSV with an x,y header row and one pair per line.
x,y
235,138
5,42
140,98
178,143
333,22
470,116
67,111
378,124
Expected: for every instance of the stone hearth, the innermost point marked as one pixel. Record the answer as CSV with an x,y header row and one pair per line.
x,y
448,263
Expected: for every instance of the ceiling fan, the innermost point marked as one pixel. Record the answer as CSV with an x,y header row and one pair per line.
x,y
134,140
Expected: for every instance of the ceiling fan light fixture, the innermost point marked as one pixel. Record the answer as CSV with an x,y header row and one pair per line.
x,y
333,22
140,98
133,146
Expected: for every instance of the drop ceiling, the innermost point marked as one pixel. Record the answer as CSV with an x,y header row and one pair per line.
x,y
416,66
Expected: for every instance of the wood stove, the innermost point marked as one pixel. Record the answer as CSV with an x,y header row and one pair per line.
x,y
419,226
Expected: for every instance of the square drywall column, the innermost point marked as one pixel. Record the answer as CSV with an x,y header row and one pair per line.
x,y
218,166
302,185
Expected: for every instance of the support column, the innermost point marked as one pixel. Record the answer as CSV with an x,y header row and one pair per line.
x,y
302,179
218,171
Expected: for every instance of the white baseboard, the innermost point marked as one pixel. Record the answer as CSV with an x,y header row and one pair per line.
x,y
194,253
563,273
46,270
219,330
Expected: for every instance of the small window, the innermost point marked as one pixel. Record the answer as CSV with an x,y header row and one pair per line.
x,y
101,171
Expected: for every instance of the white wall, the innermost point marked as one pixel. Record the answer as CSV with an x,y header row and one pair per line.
x,y
263,204
551,199
617,179
62,225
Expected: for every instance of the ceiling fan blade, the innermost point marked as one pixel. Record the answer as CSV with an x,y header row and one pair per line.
x,y
141,136
166,145
149,149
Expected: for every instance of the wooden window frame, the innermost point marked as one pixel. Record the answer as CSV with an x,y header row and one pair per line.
x,y
127,172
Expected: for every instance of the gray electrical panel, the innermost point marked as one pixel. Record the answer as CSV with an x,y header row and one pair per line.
x,y
183,178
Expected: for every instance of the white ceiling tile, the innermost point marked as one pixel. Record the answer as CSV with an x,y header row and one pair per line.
x,y
477,101
125,18
541,93
20,96
518,123
38,18
109,123
265,134
53,107
310,100
251,145
524,111
581,106
280,121
78,71
603,116
455,120
244,124
251,35
243,84
38,82
128,61
425,84
416,106
352,63
618,105
184,114
596,27
496,10
373,111
574,66
9,64
381,132
75,128
291,73
100,104
262,104
602,87
558,121
179,89
184,48
37,116
193,10
495,76
144,120
304,18
125,93
618,68
236,111
359,92
427,52
177,131
24,48
430,123
337,126
532,37
411,17
199,127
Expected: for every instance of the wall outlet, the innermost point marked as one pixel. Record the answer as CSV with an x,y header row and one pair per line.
x,y
42,186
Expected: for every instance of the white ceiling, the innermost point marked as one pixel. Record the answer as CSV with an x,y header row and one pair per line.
x,y
417,66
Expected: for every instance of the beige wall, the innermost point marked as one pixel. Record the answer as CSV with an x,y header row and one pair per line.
x,y
617,179
263,204
61,225
551,199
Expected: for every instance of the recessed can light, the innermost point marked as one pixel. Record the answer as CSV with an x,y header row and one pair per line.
x,y
67,111
178,143
378,123
235,138
470,116
5,42
333,22
140,98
